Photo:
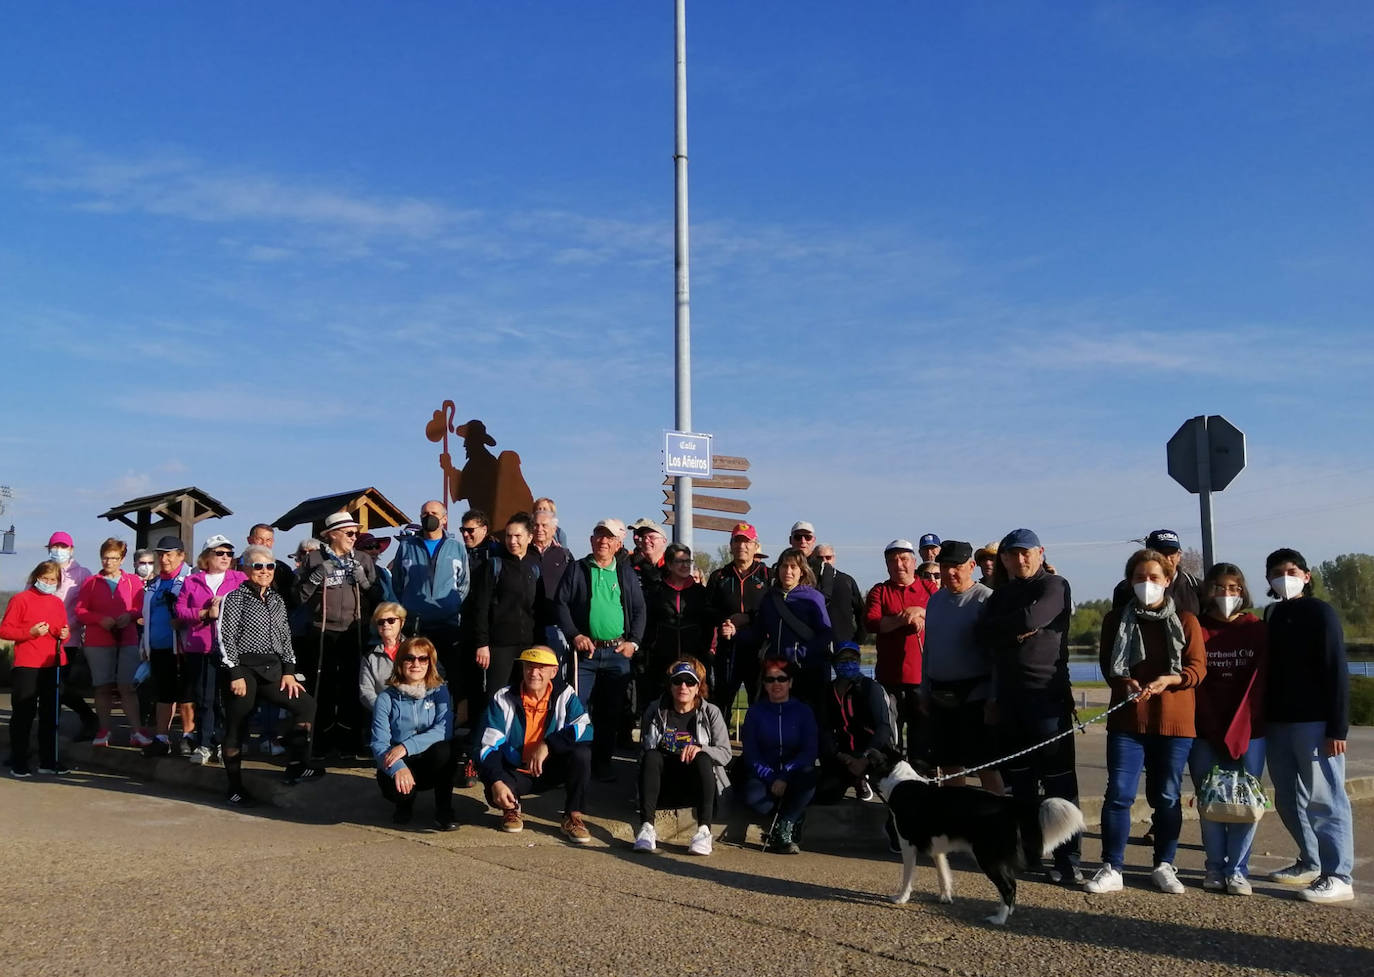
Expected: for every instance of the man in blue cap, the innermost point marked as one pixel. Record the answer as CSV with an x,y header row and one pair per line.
x,y
1184,588
1025,627
929,548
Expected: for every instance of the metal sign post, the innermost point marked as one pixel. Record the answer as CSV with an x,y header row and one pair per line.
x,y
1205,455
682,530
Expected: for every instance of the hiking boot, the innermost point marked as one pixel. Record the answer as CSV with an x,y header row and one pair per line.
x,y
701,841
647,838
574,830
186,746
1295,874
782,842
1328,888
512,822
1165,878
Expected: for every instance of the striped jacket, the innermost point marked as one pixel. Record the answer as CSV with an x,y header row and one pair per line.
x,y
503,727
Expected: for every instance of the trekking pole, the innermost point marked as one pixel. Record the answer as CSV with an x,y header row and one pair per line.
x,y
319,666
57,704
772,826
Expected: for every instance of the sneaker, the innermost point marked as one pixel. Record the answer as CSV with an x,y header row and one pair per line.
x,y
782,842
512,822
200,755
1328,888
240,798
298,773
1107,879
102,738
1214,881
20,773
863,791
574,830
1061,875
1238,885
58,771
157,747
1295,874
1165,878
186,746
701,841
469,777
647,839
445,822
140,739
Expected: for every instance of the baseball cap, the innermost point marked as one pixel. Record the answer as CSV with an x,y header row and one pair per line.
x,y
745,530
1019,539
168,543
802,527
1164,540
538,655
846,647
955,552
899,544
60,538
648,526
215,542
930,539
613,526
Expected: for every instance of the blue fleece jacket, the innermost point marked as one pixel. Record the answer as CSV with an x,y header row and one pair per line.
x,y
779,739
416,724
431,588
779,640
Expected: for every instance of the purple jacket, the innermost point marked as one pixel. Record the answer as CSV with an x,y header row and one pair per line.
x,y
199,636
780,640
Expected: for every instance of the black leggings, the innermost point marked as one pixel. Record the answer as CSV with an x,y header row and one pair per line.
x,y
341,724
665,779
433,769
33,690
237,708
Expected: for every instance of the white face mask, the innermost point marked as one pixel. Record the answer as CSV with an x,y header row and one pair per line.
x,y
146,570
1227,605
1148,592
1287,587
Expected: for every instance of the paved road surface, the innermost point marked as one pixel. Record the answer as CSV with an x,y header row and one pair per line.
x,y
110,876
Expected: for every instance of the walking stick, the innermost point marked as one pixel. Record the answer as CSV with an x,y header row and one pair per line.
x,y
319,665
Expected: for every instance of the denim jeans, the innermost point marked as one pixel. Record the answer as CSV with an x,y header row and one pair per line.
x,y
1309,793
1227,845
1162,758
801,787
601,683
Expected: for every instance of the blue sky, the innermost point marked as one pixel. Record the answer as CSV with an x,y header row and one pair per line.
x,y
955,268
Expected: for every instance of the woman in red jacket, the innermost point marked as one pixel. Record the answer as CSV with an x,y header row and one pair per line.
x,y
36,621
109,604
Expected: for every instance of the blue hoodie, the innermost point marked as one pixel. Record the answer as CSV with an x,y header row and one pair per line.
x,y
779,640
431,589
417,724
779,739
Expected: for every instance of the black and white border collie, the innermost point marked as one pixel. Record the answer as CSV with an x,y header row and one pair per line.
x,y
934,820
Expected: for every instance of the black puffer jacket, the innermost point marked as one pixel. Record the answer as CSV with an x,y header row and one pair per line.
x,y
681,623
504,604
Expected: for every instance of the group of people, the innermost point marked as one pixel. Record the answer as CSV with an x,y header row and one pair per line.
x,y
500,656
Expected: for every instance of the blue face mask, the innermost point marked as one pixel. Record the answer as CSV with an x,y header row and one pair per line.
x,y
43,587
849,669
59,554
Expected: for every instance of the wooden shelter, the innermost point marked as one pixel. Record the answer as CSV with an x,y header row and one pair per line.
x,y
371,508
172,513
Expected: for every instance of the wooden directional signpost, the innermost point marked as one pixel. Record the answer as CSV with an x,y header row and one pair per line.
x,y
714,503
1205,454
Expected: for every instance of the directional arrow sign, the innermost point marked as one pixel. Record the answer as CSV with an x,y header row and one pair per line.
x,y
730,463
699,521
740,482
717,502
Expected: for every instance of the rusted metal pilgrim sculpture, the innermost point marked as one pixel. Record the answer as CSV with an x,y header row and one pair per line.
x,y
488,482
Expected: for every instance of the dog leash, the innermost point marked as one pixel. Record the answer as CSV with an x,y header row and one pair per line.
x,y
1078,726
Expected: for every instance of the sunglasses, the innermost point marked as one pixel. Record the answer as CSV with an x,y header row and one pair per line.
x,y
223,552
803,536
262,566
388,620
417,659
775,679
469,532
351,533
685,680
928,576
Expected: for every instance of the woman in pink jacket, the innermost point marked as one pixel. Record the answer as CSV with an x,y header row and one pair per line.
x,y
109,604
198,607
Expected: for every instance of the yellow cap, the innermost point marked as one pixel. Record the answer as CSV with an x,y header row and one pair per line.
x,y
538,655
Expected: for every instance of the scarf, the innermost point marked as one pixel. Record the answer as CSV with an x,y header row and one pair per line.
x,y
1128,648
415,691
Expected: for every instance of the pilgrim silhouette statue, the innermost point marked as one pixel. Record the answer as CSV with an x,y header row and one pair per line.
x,y
492,483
